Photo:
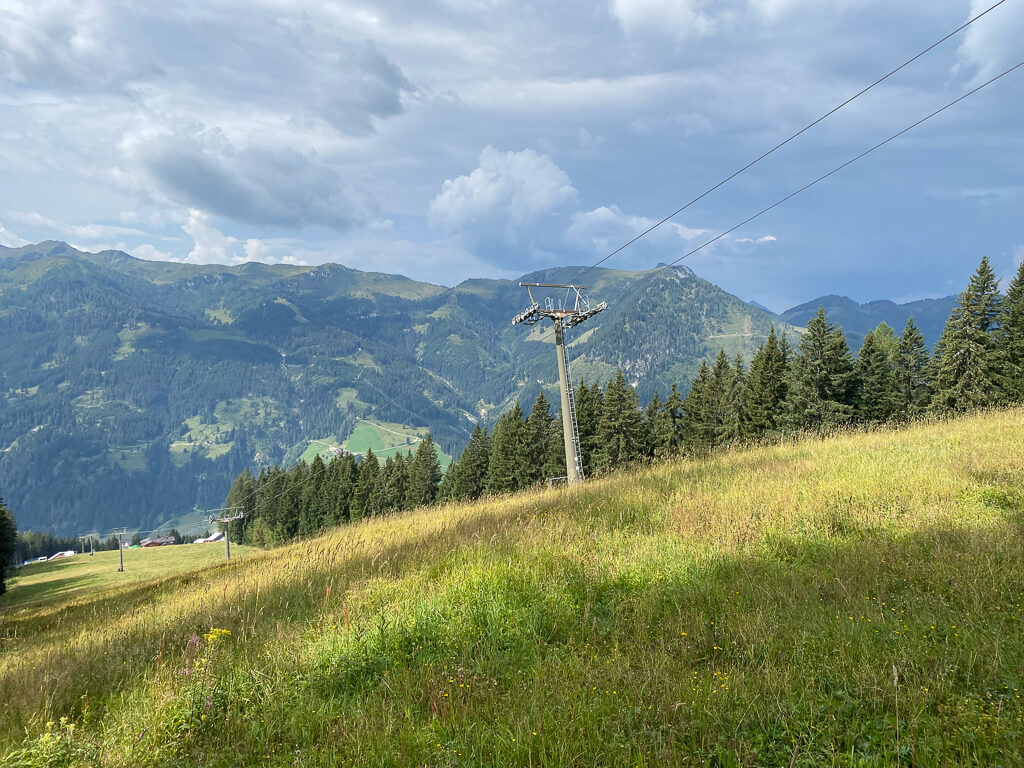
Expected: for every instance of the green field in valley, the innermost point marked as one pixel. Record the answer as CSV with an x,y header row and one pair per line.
x,y
387,439
850,601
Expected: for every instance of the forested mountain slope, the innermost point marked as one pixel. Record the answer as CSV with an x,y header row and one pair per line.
x,y
929,315
133,391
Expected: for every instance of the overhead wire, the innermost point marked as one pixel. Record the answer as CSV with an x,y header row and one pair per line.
x,y
821,178
494,332
789,196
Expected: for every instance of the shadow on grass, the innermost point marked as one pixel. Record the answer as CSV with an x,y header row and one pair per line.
x,y
781,607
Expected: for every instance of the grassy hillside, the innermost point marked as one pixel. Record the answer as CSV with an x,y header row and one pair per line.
x,y
45,585
849,602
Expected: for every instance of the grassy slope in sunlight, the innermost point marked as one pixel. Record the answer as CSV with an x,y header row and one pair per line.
x,y
850,601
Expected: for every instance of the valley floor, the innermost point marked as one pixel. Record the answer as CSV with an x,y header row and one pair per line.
x,y
849,601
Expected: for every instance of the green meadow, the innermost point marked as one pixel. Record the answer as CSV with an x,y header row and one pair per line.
x,y
846,601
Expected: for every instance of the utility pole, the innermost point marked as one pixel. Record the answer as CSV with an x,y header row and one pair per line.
x,y
567,313
228,515
120,532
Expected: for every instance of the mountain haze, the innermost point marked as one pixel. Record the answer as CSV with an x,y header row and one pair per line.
x,y
134,391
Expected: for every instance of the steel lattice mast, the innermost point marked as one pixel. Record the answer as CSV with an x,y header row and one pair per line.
x,y
567,313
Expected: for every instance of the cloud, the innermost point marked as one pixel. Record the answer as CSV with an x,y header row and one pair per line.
x,y
262,185
86,232
231,53
992,43
607,228
758,240
10,240
150,253
507,193
673,19
210,245
689,124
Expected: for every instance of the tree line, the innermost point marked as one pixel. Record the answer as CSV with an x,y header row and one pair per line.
x,y
815,384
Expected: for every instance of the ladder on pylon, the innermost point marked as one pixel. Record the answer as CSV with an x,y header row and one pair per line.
x,y
571,391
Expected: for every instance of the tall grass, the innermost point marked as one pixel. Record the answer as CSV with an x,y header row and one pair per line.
x,y
846,601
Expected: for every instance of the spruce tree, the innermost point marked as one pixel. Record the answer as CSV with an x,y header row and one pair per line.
x,y
394,483
369,468
968,361
653,422
697,436
588,414
469,476
554,457
424,475
8,541
242,498
311,520
910,373
1011,338
507,452
618,430
737,421
876,376
336,490
536,434
822,384
670,425
767,385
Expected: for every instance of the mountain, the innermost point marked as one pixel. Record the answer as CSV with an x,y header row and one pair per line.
x,y
760,306
134,391
930,316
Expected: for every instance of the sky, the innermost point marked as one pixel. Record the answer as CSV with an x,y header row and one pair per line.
x,y
448,139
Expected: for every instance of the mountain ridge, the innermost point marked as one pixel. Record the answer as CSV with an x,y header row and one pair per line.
x,y
157,382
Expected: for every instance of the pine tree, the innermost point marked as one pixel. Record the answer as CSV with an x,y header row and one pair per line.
x,y
1011,337
507,452
336,490
822,384
766,386
469,475
737,422
242,498
394,483
653,421
968,361
536,435
424,475
444,488
311,521
876,376
910,373
369,468
697,436
554,456
589,401
8,540
618,429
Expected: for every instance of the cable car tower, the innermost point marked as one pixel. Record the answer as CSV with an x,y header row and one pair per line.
x,y
566,313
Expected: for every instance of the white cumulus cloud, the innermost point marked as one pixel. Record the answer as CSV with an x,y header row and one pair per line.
x,y
608,227
992,43
150,252
506,193
757,240
209,244
9,239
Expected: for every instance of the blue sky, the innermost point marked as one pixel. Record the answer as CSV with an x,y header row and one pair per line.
x,y
447,139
